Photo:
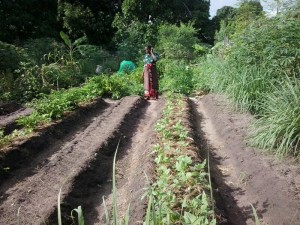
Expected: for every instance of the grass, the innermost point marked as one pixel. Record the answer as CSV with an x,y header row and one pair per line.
x,y
274,100
278,128
115,215
256,219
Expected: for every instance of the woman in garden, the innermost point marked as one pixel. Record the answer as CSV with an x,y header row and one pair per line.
x,y
150,74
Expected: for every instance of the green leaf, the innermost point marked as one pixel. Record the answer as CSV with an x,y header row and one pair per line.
x,y
66,39
80,215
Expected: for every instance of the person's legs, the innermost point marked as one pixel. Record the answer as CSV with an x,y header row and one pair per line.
x,y
155,82
146,82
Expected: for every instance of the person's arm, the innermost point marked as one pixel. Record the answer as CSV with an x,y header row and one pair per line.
x,y
153,55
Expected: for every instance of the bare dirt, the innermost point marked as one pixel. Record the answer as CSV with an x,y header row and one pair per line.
x,y
76,155
79,162
244,175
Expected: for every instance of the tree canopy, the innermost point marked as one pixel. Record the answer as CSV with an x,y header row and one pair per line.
x,y
23,19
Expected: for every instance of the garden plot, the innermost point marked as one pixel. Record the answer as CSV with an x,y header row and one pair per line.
x,y
76,156
80,165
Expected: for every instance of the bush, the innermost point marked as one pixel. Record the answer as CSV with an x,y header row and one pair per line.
x,y
177,43
176,77
38,49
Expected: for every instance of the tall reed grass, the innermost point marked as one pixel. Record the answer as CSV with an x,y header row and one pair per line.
x,y
278,128
246,86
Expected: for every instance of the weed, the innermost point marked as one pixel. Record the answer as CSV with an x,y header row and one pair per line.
x,y
255,215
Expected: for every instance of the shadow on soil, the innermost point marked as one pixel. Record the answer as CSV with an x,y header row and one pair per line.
x,y
96,180
227,210
22,160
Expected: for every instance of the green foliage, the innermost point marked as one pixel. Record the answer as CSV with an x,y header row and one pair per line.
x,y
28,81
179,47
270,43
58,103
138,24
233,26
132,38
278,128
73,47
177,77
22,20
57,76
88,17
76,18
10,56
177,43
93,55
178,195
36,49
203,74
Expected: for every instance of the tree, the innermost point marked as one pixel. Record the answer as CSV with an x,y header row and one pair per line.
x,y
89,17
165,11
23,19
223,15
237,20
280,5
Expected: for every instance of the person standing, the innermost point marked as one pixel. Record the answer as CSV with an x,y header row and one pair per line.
x,y
150,74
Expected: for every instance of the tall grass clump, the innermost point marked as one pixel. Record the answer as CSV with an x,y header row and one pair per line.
x,y
258,67
245,85
256,57
278,128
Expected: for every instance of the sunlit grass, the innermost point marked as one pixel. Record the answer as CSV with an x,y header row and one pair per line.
x,y
278,128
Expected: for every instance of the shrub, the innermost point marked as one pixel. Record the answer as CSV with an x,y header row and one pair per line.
x,y
176,77
177,43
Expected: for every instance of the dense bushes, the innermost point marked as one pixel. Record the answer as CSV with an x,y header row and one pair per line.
x,y
45,64
178,46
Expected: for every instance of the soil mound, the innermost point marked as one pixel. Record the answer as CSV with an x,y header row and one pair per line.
x,y
79,162
242,174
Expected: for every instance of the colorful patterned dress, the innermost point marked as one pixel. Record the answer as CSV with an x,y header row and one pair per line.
x,y
150,77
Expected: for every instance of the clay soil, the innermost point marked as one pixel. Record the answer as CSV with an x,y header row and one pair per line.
x,y
75,155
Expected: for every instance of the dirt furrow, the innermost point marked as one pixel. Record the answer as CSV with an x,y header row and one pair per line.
x,y
8,122
72,164
243,175
133,162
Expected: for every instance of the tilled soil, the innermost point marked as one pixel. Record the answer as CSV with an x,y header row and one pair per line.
x,y
76,156
8,121
243,175
80,162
